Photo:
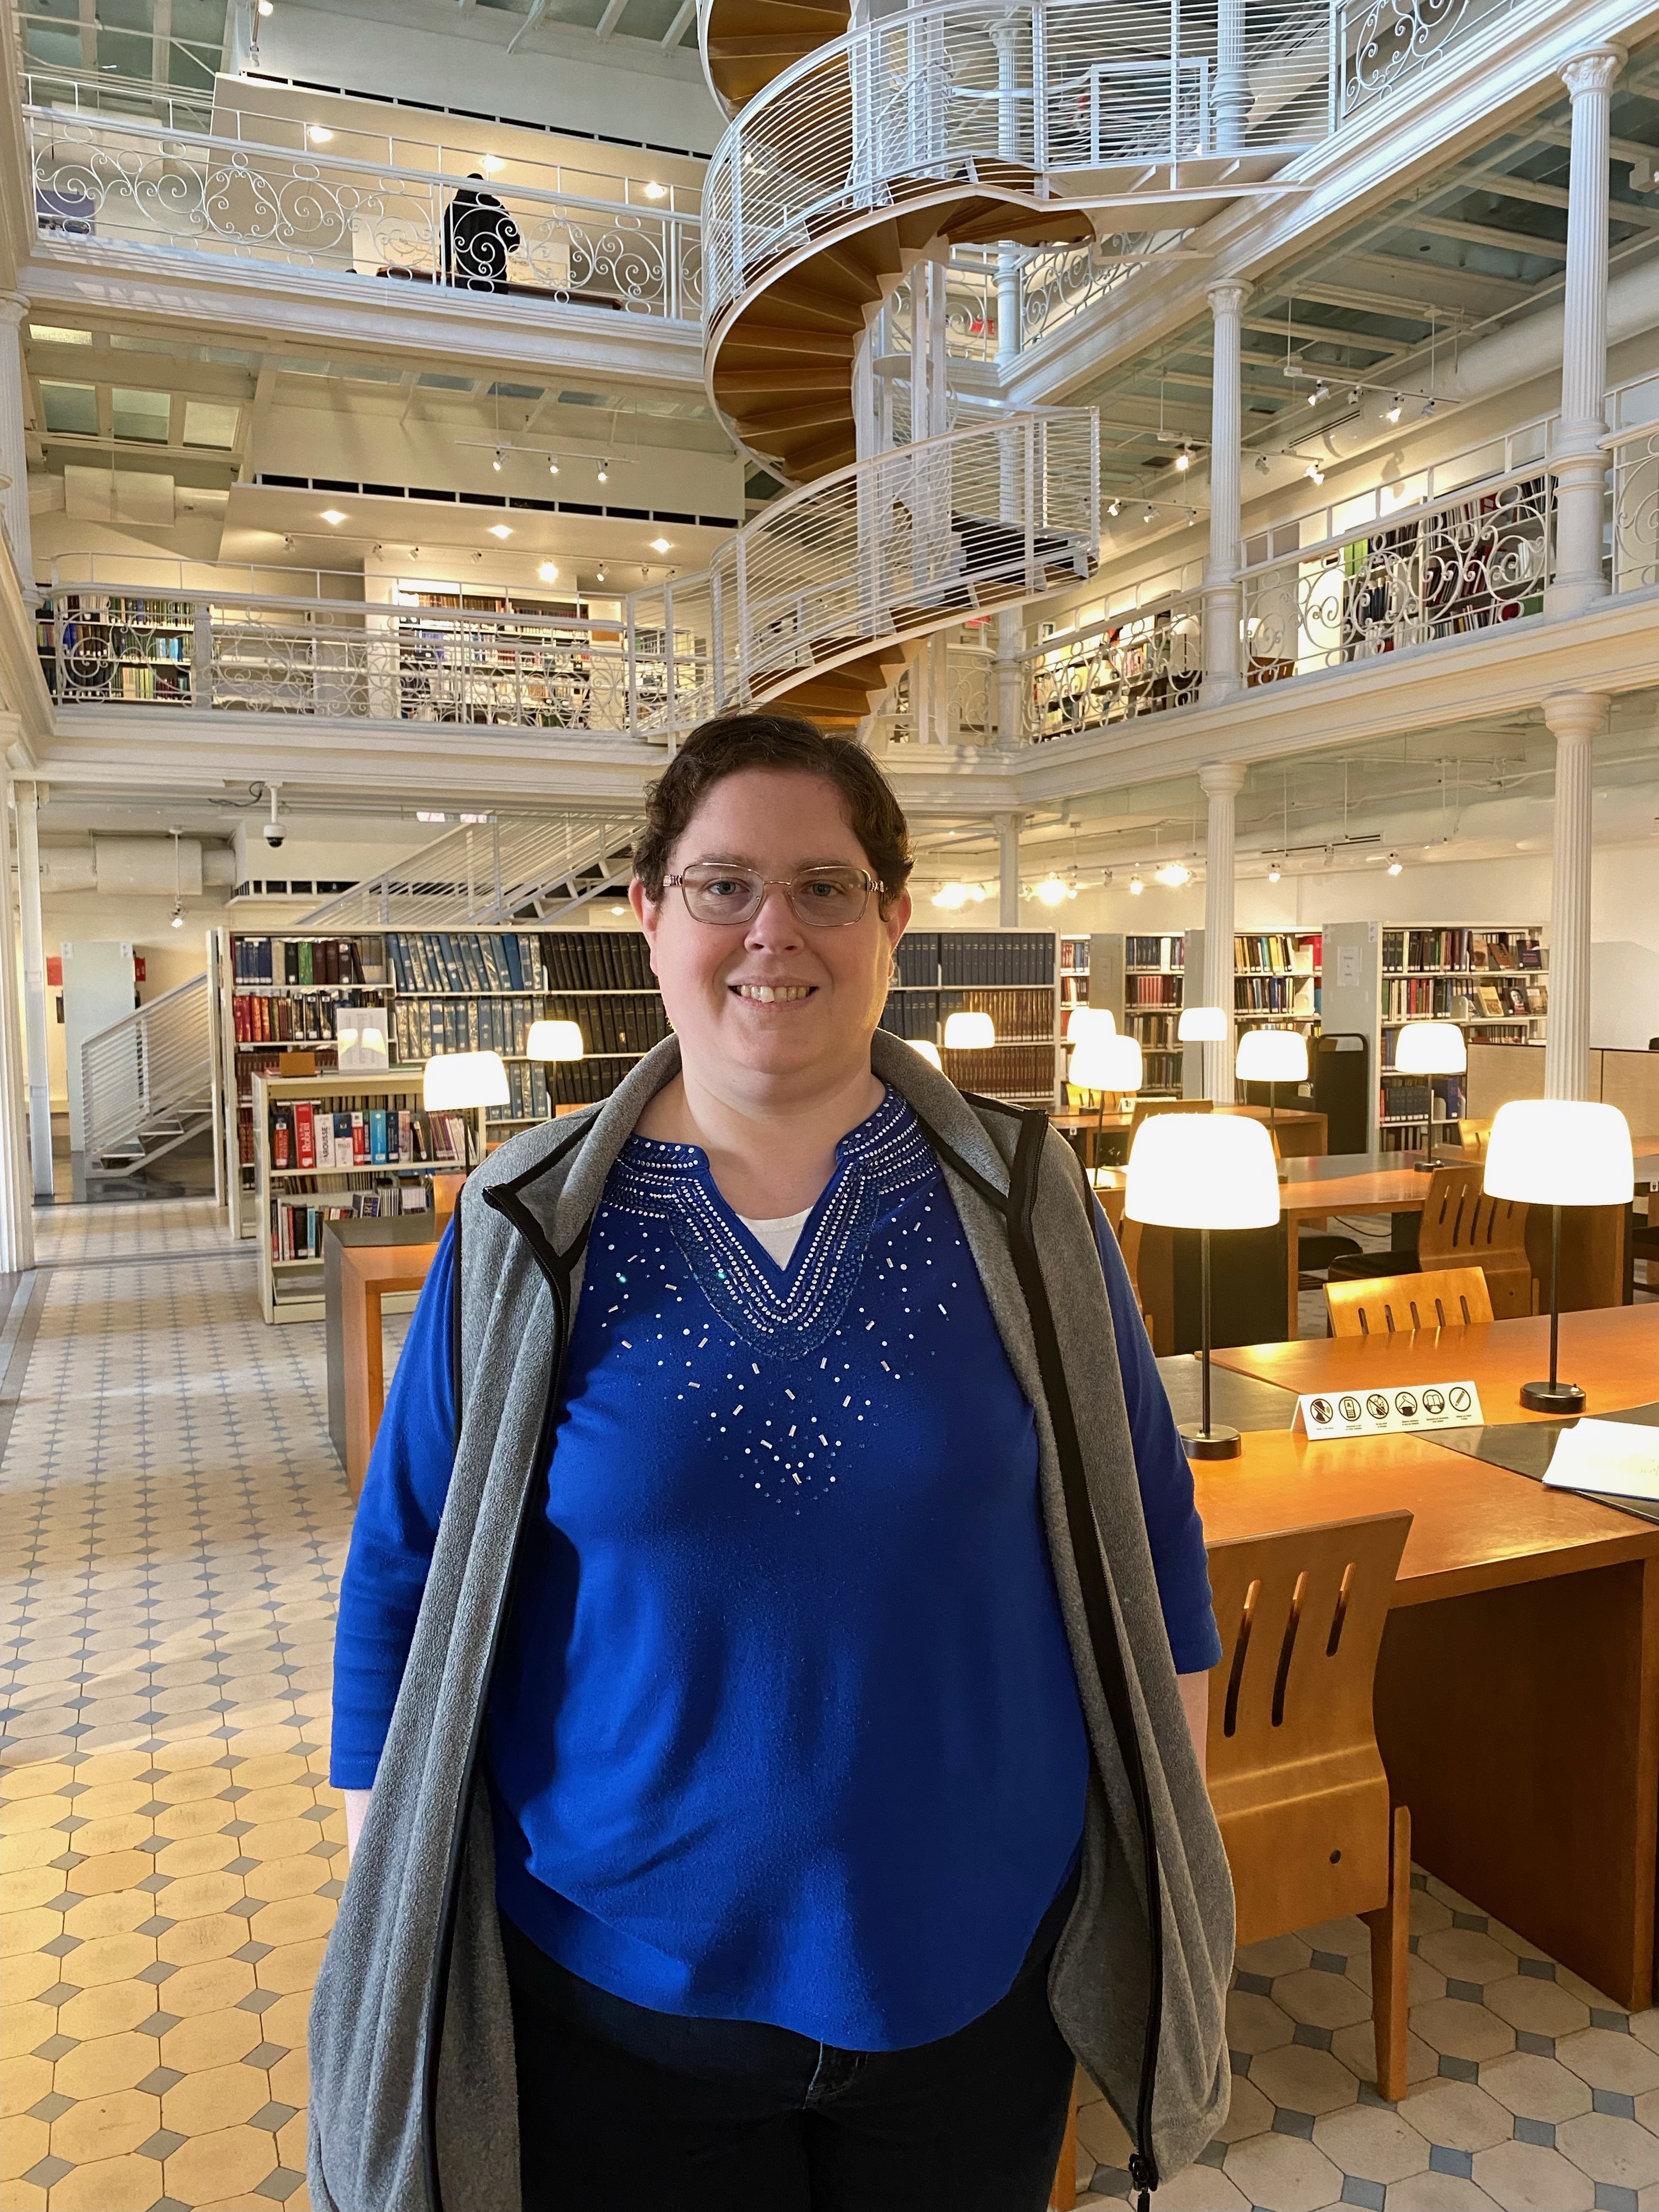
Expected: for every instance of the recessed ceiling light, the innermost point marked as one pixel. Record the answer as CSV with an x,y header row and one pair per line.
x,y
500,530
492,162
660,545
319,137
421,816
653,191
333,514
548,573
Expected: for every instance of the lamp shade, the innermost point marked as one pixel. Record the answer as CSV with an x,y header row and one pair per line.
x,y
1203,1171
1201,1025
1271,1056
969,1032
927,1050
1083,1019
1560,1151
464,1079
1431,1049
554,1041
1106,1063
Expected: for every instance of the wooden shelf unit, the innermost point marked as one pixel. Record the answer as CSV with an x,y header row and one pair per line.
x,y
1012,975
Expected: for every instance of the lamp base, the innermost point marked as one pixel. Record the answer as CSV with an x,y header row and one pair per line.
x,y
1553,1397
1214,1442
1423,1167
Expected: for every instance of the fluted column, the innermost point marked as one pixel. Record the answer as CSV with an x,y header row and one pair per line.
x,y
1574,717
14,464
1232,80
33,933
1221,782
1221,588
17,1200
1007,829
1009,731
1580,462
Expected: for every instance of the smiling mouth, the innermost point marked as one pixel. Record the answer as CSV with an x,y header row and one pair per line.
x,y
773,994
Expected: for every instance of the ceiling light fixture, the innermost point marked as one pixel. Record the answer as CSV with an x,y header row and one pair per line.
x,y
1320,392
605,471
951,896
1274,872
496,463
267,7
332,515
1428,409
1173,874
1136,887
552,467
318,135
1148,516
548,573
1262,465
1394,413
424,816
601,574
653,191
501,530
1395,864
492,163
1183,460
1051,892
1316,474
1116,507
660,545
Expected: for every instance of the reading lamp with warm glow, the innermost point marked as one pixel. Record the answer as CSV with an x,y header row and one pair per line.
x,y
1103,1063
550,1041
1082,1019
1201,1025
1203,1171
465,1081
1557,1152
1272,1057
927,1050
969,1032
1429,1048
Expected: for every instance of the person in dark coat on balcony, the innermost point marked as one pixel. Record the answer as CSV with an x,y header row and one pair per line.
x,y
478,235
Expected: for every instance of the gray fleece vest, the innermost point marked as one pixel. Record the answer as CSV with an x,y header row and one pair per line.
x,y
413,2099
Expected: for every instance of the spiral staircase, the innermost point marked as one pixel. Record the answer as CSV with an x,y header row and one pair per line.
x,y
858,154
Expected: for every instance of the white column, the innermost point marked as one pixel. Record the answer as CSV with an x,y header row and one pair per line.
x,y
14,464
34,987
1232,83
1580,464
1007,829
1221,586
1009,731
1575,717
16,1201
1221,782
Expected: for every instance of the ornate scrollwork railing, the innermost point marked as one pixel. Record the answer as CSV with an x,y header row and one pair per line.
x,y
1379,44
1462,565
133,185
1635,508
1140,660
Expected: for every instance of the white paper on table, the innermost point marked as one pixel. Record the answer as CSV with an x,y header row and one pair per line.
x,y
1619,1457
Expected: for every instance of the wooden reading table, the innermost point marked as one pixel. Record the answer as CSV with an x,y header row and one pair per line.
x,y
1517,1689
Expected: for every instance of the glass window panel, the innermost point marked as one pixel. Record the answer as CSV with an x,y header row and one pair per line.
x,y
1408,492
141,415
207,423
50,334
72,408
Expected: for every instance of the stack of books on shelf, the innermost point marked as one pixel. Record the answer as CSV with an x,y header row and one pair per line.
x,y
297,1225
306,960
1158,952
323,1135
1264,994
465,960
598,960
1432,951
615,1025
1160,990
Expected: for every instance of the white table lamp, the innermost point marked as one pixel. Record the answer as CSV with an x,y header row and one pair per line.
x,y
360,1038
1203,1171
554,1041
1201,1025
927,1050
1557,1152
969,1032
1271,1056
1429,1048
1103,1063
465,1081
1083,1019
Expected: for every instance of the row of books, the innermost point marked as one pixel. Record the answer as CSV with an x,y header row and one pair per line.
x,y
1408,1096
310,1134
296,1227
304,960
1266,995
1283,955
614,1025
1006,1070
1152,990
1407,997
424,1027
258,1019
598,960
1154,1031
464,960
1073,955
996,957
116,606
1017,1015
1405,950
1154,951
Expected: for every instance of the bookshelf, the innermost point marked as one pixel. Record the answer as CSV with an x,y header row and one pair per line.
x,y
1073,976
116,646
1276,979
1140,980
328,1146
1013,975
279,992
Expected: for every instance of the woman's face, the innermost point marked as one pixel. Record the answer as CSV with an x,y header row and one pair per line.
x,y
828,985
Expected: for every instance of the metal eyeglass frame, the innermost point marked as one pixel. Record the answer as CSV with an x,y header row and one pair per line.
x,y
786,884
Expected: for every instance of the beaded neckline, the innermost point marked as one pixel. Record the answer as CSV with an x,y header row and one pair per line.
x,y
788,1311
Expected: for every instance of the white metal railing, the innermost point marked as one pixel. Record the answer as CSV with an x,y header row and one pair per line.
x,y
970,703
132,184
1379,44
65,47
225,119
910,541
1091,98
1635,508
1143,659
147,1080
488,873
1456,565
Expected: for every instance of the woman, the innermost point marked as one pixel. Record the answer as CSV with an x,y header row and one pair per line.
x,y
764,1777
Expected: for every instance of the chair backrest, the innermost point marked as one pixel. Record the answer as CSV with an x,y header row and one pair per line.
x,y
1145,1107
1448,1298
1462,1223
1295,1775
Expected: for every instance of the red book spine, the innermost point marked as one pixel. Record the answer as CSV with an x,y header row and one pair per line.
x,y
279,1148
305,1135
359,1138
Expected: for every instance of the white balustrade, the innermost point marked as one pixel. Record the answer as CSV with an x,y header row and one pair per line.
x,y
1378,44
1143,659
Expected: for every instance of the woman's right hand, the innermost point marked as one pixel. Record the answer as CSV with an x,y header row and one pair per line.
x,y
356,1811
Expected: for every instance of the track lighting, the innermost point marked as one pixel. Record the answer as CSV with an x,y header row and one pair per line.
x,y
605,471
496,463
1148,516
1136,887
1116,507
1392,414
1428,409
1355,393
1274,872
1316,474
1395,864
552,466
1183,460
1262,465
601,575
1320,392
177,918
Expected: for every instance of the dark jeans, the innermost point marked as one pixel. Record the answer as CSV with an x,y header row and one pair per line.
x,y
625,2110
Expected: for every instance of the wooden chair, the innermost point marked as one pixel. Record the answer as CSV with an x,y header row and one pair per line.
x,y
1462,1224
1295,1775
1450,1297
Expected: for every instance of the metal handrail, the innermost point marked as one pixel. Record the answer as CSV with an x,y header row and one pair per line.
x,y
486,874
152,1066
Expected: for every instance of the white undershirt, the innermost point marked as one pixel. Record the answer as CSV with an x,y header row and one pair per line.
x,y
778,1237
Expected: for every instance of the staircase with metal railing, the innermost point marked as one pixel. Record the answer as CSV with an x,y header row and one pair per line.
x,y
147,1083
490,874
859,154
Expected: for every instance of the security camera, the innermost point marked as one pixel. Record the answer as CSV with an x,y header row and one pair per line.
x,y
273,831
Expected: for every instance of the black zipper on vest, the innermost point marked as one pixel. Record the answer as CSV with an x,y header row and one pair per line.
x,y
556,1268
1017,1207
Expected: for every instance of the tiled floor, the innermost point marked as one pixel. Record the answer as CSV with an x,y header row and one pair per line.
x,y
174,1524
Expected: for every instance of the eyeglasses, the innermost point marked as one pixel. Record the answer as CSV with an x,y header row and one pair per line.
x,y
822,898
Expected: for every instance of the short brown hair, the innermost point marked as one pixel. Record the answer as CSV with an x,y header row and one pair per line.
x,y
732,743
